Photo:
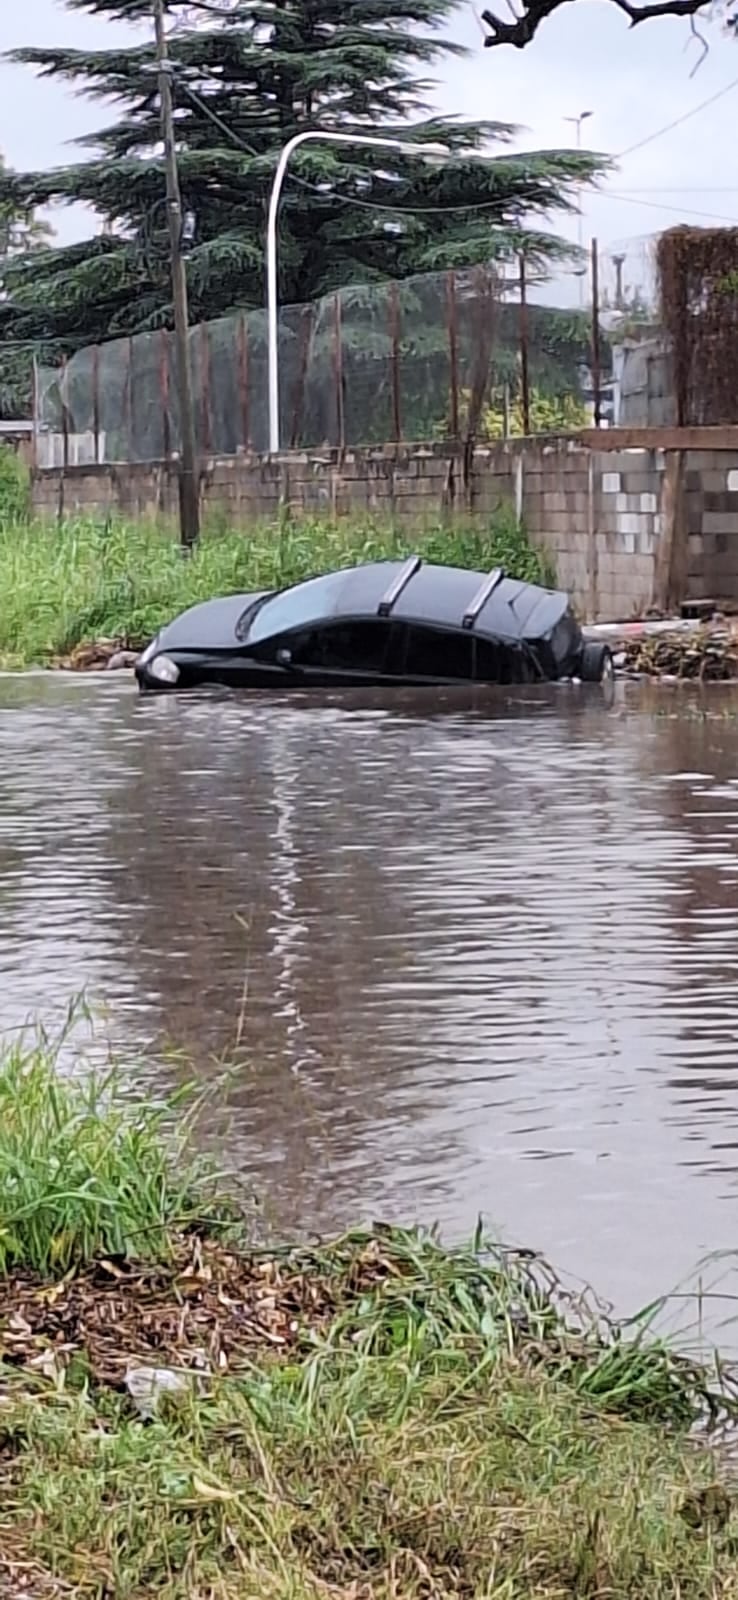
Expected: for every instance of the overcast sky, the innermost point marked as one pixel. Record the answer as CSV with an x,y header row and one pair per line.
x,y
636,82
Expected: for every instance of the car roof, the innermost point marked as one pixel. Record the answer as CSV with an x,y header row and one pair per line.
x,y
436,595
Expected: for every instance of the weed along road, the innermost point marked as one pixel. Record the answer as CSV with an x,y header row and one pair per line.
x,y
514,992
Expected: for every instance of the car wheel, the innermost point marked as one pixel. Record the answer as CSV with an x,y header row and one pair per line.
x,y
597,664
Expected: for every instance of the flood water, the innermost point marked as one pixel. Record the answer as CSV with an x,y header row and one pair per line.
x,y
459,960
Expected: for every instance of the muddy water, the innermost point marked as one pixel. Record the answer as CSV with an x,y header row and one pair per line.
x,y
477,961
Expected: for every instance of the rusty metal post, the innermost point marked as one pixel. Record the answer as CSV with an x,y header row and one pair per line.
x,y
394,310
453,352
338,369
65,415
96,400
128,399
164,392
36,392
596,364
242,342
205,408
524,374
307,314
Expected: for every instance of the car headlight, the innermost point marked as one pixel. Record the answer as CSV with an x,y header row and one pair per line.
x,y
163,668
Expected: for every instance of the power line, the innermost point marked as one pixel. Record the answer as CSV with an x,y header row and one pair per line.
x,y
683,188
655,205
335,194
677,122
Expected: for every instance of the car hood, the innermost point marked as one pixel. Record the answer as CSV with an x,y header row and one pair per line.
x,y
211,625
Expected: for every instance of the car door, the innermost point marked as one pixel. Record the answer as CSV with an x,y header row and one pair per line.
x,y
434,655
336,653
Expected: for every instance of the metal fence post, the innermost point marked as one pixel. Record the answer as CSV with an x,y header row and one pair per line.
x,y
243,377
164,391
128,399
205,407
36,393
453,351
96,400
394,310
65,415
338,369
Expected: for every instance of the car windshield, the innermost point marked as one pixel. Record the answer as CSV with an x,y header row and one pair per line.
x,y
246,618
295,608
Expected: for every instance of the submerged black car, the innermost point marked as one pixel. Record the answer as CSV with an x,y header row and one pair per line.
x,y
386,623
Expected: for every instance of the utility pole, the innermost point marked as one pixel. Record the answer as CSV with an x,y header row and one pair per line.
x,y
189,488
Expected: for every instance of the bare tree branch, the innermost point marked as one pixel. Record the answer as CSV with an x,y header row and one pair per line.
x,y
523,29
702,42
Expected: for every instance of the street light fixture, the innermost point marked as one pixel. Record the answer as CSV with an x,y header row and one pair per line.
x,y
404,146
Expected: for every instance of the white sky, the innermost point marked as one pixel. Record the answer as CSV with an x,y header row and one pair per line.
x,y
635,82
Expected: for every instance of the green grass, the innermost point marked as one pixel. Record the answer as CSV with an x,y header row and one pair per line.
x,y
439,1422
85,580
83,1172
388,1478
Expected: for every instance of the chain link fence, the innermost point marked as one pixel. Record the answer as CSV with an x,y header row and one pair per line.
x,y
437,356
478,353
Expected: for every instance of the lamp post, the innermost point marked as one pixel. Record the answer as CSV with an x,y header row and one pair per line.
x,y
404,146
577,123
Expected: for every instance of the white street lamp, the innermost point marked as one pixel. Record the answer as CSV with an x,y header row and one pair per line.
x,y
404,146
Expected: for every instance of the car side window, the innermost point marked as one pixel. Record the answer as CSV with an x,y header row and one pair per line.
x,y
437,653
489,661
341,646
499,662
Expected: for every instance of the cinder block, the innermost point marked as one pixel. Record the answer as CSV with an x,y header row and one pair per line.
x,y
610,483
720,522
641,482
715,481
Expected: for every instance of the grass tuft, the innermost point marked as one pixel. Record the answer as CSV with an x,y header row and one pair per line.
x,y
85,1173
84,580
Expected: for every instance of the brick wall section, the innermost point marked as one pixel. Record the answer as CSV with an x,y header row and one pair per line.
x,y
598,512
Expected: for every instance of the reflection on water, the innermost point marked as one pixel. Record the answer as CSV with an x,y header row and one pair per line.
x,y
483,960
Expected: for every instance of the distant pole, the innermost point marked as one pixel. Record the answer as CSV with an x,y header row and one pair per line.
x,y
577,121
189,492
524,377
596,364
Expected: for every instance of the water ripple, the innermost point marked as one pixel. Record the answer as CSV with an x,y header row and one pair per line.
x,y
478,961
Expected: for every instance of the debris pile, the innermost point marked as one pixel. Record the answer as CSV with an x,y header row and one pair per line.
x,y
704,654
210,1309
99,655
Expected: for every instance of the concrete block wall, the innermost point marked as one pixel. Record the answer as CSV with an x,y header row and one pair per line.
x,y
629,521
599,512
711,524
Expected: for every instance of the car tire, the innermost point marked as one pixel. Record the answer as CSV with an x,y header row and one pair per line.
x,y
597,664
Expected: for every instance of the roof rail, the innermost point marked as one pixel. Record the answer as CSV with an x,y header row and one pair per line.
x,y
482,596
392,595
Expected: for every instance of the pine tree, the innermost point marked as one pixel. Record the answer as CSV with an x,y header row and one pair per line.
x,y
249,74
22,234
